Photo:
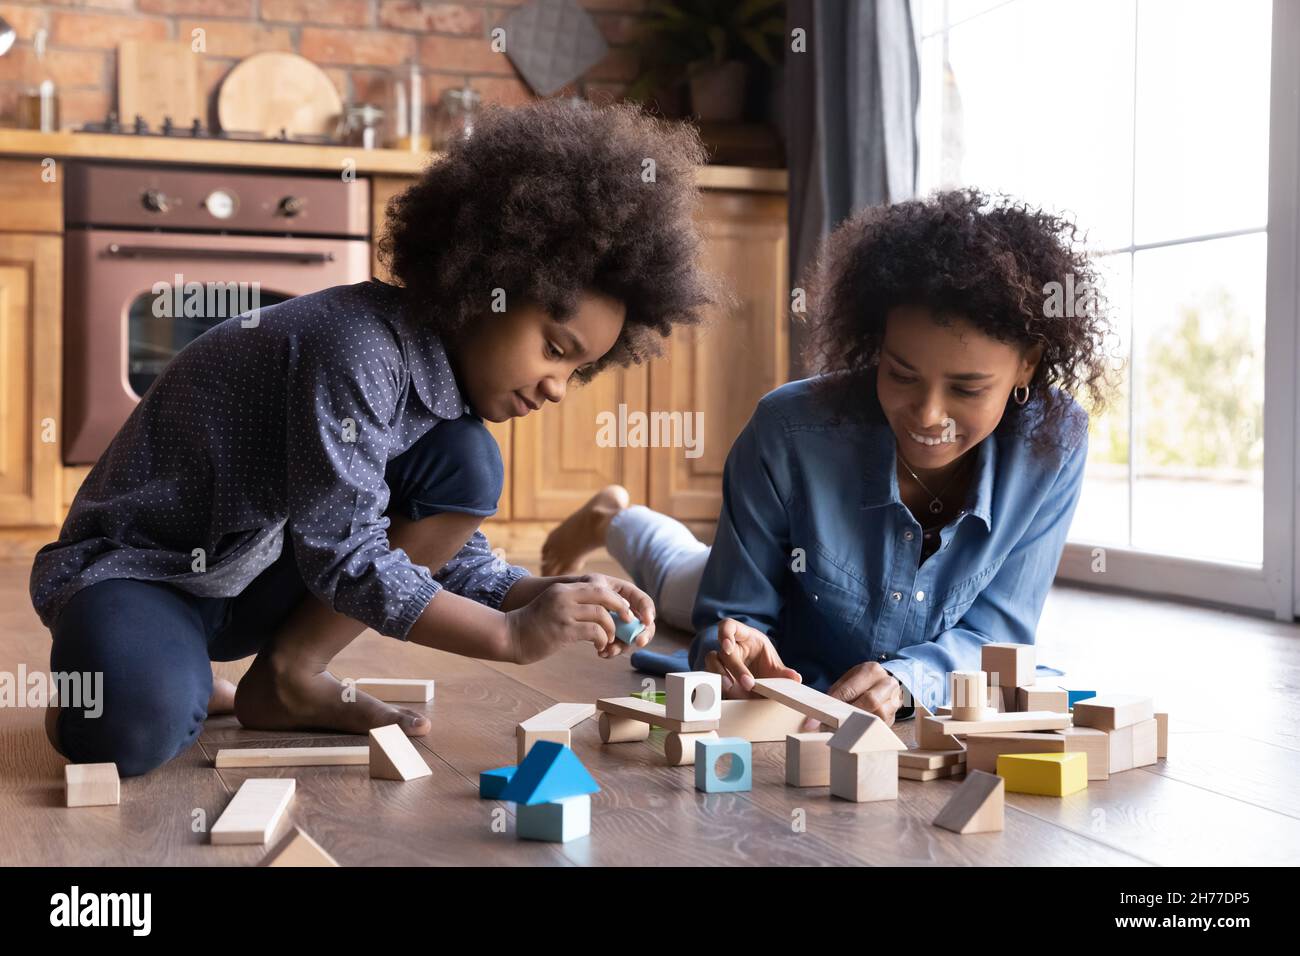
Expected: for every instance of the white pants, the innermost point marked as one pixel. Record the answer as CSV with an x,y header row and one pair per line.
x,y
664,559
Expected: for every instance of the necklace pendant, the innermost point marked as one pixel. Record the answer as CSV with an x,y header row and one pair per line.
x,y
936,506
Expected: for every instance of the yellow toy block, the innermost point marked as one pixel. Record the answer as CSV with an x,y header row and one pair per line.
x,y
1051,775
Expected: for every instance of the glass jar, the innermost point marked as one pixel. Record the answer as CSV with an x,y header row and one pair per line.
x,y
38,100
456,115
408,123
361,125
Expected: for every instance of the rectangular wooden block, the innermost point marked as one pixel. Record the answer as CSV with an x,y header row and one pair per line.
x,y
759,720
929,737
291,757
524,739
1013,663
254,812
634,708
1145,742
864,777
1048,775
1112,711
560,715
813,703
913,773
397,690
1121,749
808,760
919,759
1162,736
91,785
983,750
1094,743
1043,697
999,723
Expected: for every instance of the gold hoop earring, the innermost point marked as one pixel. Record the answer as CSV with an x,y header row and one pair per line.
x,y
1015,394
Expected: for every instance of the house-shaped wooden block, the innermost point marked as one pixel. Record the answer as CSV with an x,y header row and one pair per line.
x,y
864,759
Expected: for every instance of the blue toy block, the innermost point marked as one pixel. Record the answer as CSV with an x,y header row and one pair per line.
x,y
626,631
550,772
492,782
1074,696
709,752
557,821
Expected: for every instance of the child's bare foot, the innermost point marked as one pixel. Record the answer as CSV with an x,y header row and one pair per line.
x,y
582,532
280,699
222,700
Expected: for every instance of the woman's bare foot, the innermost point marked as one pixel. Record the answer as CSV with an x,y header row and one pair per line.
x,y
222,700
283,699
581,533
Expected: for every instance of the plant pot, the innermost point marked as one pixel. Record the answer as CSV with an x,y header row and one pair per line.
x,y
718,92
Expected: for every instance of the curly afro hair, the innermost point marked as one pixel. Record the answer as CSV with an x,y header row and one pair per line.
x,y
547,201
962,255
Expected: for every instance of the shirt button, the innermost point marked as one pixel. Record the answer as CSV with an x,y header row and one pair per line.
x,y
920,595
907,536
897,595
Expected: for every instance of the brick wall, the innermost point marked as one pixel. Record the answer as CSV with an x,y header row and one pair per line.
x,y
354,41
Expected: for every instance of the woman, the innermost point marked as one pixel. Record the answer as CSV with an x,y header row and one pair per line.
x,y
884,519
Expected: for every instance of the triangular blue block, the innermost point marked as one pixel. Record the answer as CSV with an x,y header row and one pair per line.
x,y
491,783
551,771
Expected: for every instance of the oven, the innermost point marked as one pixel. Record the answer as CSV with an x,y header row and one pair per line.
x,y
155,256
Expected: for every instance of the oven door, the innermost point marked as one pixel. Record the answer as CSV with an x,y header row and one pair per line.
x,y
119,332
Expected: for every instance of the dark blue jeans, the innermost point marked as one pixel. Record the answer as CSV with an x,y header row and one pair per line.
x,y
153,642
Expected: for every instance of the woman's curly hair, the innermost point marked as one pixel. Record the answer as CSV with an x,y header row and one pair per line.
x,y
962,255
551,199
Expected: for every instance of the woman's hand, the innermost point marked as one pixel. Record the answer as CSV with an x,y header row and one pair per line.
x,y
868,687
743,654
578,610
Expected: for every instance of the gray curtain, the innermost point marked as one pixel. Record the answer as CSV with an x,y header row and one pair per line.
x,y
851,102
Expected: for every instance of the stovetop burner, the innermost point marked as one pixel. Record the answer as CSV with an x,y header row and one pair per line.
x,y
196,130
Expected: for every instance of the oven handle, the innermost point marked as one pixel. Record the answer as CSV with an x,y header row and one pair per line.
x,y
173,252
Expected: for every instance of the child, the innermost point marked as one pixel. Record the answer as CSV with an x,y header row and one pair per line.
x,y
322,466
884,519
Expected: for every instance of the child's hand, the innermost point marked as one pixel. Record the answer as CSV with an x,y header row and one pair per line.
x,y
578,610
744,654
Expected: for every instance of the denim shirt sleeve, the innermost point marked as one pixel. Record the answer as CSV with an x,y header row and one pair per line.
x,y
746,566
478,574
1008,608
337,440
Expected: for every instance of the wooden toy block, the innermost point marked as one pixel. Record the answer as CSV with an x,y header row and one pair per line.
x,y
694,695
1094,743
653,696
1001,699
978,806
492,783
394,757
1145,742
524,739
626,631
634,708
1043,697
759,720
1074,696
812,703
679,749
1048,775
865,733
548,774
918,759
740,775
929,737
291,757
808,760
554,724
1120,742
1112,711
1013,663
555,821
913,773
91,785
1162,736
296,848
397,690
983,750
254,812
864,777
620,730
969,692
998,723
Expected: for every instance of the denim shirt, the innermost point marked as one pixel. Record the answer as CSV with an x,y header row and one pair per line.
x,y
268,431
815,548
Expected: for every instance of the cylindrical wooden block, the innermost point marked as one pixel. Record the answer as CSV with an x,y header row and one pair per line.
x,y
620,730
680,748
970,695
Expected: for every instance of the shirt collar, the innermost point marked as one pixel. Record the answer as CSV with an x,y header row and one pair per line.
x,y
431,372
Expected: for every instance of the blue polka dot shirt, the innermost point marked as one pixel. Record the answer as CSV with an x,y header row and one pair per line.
x,y
273,425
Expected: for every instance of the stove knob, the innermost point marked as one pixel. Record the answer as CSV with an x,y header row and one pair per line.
x,y
291,206
155,200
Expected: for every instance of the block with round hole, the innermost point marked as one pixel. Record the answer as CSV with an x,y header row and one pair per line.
x,y
739,776
694,695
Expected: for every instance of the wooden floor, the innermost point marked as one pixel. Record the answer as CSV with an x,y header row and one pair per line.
x,y
1226,795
